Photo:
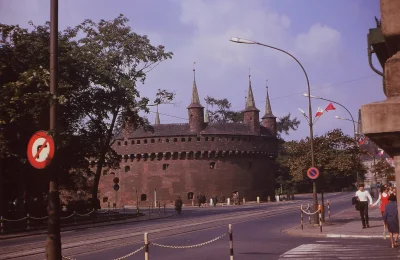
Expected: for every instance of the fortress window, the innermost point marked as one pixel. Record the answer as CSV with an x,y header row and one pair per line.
x,y
118,143
143,197
133,142
189,139
152,141
250,165
138,142
105,199
145,141
127,168
175,139
212,138
206,138
198,139
167,140
159,140
126,143
104,172
190,195
183,139
165,166
212,165
113,173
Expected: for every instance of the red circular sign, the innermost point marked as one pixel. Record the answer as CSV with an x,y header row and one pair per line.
x,y
312,173
40,150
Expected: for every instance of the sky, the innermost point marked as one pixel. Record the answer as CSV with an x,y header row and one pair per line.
x,y
329,38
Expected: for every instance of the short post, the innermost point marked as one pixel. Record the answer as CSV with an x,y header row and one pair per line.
x,y
74,218
309,215
159,208
27,221
322,206
228,201
258,199
230,242
268,198
329,210
146,246
244,201
301,216
1,225
320,217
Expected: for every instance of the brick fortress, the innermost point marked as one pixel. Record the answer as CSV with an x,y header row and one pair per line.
x,y
196,157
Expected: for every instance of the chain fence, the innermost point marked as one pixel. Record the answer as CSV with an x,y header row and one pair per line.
x,y
319,211
147,245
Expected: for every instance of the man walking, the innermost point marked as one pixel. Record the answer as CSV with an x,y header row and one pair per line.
x,y
362,197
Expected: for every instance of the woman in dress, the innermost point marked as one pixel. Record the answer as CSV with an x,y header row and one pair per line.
x,y
391,219
383,198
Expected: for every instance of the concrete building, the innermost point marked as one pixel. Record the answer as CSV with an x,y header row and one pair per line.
x,y
195,157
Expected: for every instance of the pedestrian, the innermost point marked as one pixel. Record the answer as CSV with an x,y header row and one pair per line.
x,y
199,199
394,191
214,200
362,197
383,199
178,205
391,220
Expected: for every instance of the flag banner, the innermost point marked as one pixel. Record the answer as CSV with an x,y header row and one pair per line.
x,y
362,139
330,107
380,152
390,161
319,112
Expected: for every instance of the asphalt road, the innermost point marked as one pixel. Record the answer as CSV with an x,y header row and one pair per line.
x,y
256,234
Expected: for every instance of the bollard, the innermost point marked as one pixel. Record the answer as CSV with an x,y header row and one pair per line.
x,y
309,216
230,242
320,217
269,199
211,202
228,201
329,210
159,208
74,218
146,247
244,201
27,221
1,225
301,216
258,199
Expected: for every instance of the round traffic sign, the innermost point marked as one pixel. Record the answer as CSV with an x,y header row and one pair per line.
x,y
40,149
116,187
313,173
116,180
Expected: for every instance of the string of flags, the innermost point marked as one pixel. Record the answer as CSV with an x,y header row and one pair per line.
x,y
320,112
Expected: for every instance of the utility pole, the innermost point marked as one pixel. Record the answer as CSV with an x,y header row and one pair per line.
x,y
53,244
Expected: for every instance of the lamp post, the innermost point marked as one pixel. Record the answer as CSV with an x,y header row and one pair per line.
x,y
244,41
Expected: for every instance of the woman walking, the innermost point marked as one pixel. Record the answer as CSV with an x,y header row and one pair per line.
x,y
383,198
391,220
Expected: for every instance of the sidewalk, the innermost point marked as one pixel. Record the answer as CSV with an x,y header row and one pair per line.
x,y
345,224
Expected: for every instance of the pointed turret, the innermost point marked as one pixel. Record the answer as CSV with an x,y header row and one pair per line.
x,y
251,113
269,120
157,121
195,109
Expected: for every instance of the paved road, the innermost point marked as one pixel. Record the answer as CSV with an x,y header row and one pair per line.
x,y
256,234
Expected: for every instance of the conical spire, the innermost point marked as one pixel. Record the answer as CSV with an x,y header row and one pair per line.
x,y
157,122
359,124
206,118
195,94
250,104
268,110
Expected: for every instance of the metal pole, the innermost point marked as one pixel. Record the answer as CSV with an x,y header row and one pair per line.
x,y
146,247
322,206
155,198
310,116
301,216
53,244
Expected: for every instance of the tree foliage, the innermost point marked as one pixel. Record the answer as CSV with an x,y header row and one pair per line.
x,y
337,156
382,169
99,67
221,111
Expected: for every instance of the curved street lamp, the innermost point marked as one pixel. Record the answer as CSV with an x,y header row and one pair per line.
x,y
337,117
245,41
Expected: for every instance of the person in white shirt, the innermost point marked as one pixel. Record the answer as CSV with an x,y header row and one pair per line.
x,y
362,197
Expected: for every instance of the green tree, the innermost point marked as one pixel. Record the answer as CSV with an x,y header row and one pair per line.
x,y
382,169
336,156
115,60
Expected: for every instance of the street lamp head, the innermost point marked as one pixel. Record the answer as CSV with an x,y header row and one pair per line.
x,y
240,40
311,96
337,117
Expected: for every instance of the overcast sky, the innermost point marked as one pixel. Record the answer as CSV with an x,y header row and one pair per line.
x,y
327,36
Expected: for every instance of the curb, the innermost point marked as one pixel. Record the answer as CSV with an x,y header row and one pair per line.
x,y
353,236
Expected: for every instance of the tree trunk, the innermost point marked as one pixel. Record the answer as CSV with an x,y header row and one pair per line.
x,y
101,160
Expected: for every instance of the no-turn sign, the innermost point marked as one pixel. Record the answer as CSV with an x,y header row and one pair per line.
x,y
40,150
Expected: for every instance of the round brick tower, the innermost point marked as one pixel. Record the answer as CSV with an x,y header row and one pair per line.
x,y
214,159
